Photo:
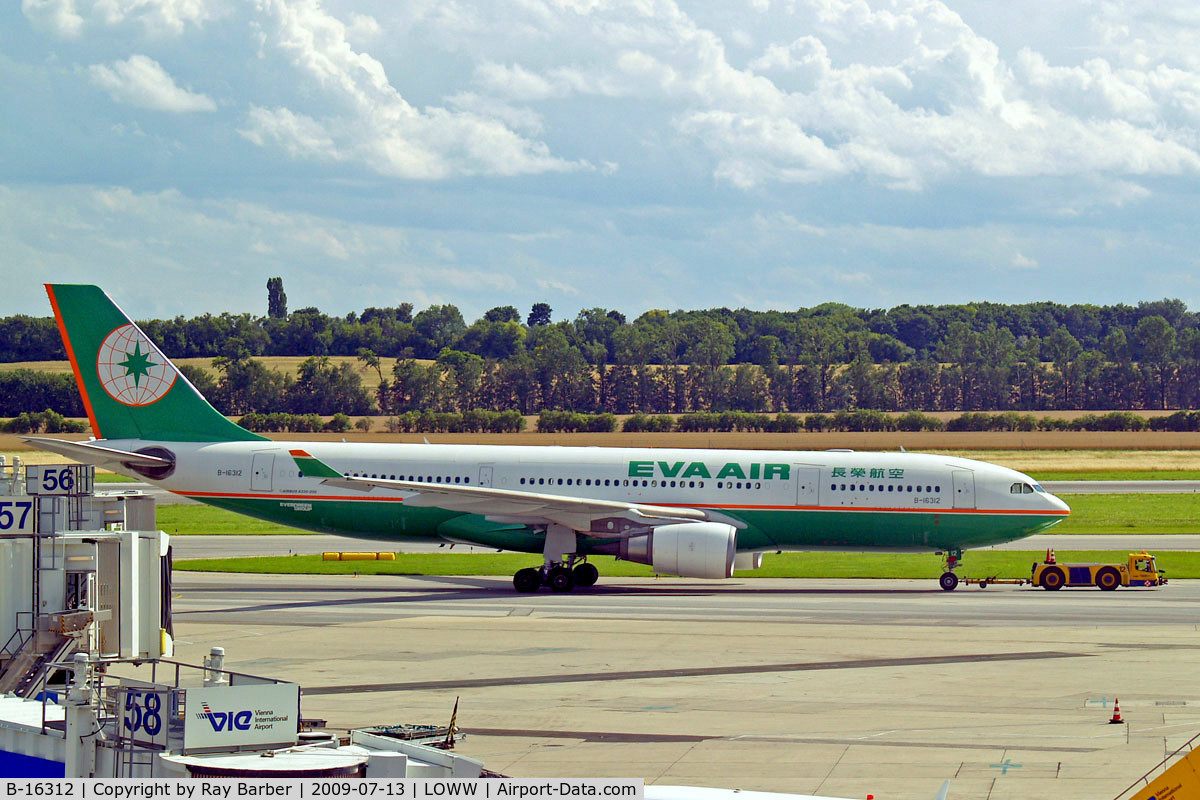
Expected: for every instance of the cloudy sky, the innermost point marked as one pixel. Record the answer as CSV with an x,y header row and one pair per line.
x,y
640,154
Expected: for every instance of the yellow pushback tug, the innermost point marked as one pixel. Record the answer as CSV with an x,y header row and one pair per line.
x,y
1139,570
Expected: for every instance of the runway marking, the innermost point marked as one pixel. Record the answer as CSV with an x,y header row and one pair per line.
x,y
685,738
687,672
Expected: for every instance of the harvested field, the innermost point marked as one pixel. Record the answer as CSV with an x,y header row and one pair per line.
x,y
288,364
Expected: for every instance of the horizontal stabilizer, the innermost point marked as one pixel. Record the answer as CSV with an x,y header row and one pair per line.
x,y
89,453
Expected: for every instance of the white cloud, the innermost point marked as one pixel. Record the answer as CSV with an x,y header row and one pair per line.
x,y
548,284
57,16
68,18
1022,261
907,92
140,81
374,125
161,16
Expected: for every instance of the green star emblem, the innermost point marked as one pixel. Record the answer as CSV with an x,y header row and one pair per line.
x,y
137,364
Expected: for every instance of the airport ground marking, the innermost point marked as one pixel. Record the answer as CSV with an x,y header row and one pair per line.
x,y
1005,766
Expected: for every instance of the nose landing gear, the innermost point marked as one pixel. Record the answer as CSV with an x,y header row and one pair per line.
x,y
949,581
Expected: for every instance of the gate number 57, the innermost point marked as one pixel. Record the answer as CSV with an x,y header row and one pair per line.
x,y
14,514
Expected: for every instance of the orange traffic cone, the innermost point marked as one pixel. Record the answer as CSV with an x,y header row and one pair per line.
x,y
1116,717
1050,555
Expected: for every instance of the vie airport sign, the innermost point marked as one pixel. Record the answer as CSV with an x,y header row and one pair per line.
x,y
264,715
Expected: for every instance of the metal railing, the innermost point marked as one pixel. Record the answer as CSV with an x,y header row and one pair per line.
x,y
1145,779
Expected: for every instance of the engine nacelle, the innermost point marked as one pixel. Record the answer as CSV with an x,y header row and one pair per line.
x,y
687,549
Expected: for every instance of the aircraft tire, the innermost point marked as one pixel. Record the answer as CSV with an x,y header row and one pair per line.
x,y
560,579
1108,579
948,581
585,575
527,580
1053,579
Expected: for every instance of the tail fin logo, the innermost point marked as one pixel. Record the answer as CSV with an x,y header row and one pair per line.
x,y
131,368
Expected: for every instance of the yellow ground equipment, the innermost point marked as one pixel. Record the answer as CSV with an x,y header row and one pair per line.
x,y
1139,570
358,556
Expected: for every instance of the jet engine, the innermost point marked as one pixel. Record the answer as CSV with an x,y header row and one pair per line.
x,y
687,549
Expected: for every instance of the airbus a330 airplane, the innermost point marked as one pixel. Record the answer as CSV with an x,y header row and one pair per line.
x,y
693,513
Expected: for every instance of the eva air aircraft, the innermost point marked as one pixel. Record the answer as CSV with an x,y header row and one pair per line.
x,y
693,513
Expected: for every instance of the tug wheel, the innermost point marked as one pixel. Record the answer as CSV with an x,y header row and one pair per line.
x,y
1108,579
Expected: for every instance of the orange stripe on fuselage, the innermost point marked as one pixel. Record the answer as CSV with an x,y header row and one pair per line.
x,y
62,330
252,495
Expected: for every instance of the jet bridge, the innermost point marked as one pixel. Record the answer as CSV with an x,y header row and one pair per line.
x,y
82,573
87,685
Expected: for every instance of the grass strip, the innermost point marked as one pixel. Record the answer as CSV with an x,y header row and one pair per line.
x,y
1130,513
112,477
978,564
1116,475
186,519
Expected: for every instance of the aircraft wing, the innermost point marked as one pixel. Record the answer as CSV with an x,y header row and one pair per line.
x,y
603,517
91,453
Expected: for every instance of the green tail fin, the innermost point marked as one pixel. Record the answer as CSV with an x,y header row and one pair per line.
x,y
130,389
313,467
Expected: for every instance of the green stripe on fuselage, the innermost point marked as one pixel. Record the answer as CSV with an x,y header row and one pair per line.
x,y
766,529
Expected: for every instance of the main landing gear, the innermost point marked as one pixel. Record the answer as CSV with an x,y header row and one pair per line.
x,y
949,581
560,577
563,570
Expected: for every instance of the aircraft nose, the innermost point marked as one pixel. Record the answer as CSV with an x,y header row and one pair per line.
x,y
1057,504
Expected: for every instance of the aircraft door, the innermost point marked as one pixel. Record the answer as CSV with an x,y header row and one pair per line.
x,y
808,484
261,472
964,488
485,475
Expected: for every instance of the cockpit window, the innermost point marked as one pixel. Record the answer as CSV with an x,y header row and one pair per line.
x,y
1014,489
1037,487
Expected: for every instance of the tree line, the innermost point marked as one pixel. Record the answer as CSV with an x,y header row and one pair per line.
x,y
965,357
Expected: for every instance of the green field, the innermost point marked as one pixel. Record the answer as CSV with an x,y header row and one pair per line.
x,y
1090,513
112,477
1117,475
1131,513
189,520
978,564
